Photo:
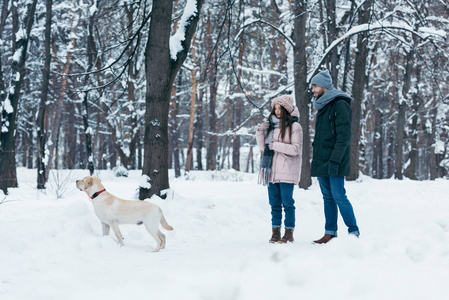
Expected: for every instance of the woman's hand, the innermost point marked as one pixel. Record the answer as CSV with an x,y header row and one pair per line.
x,y
264,125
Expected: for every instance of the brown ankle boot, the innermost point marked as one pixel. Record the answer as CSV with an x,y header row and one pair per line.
x,y
326,238
288,237
276,236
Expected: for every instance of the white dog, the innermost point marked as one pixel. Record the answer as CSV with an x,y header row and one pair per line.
x,y
113,211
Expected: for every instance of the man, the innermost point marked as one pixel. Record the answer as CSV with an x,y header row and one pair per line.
x,y
331,153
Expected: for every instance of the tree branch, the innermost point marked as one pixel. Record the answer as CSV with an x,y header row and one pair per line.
x,y
266,23
189,32
359,29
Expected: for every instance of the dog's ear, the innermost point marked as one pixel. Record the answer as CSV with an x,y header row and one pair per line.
x,y
88,182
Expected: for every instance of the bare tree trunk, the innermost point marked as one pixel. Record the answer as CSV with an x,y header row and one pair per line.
x,y
358,89
347,53
411,170
25,146
161,71
174,131
332,35
192,112
249,159
158,90
278,56
323,30
301,87
236,138
378,139
237,107
30,149
132,75
401,122
212,138
390,160
100,144
199,132
8,173
399,142
71,132
113,155
212,148
58,134
139,152
5,12
92,54
432,139
173,122
57,118
224,151
41,126
88,136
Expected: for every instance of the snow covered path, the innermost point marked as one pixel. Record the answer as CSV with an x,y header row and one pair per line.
x,y
53,248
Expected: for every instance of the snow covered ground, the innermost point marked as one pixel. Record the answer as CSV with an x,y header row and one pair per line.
x,y
54,249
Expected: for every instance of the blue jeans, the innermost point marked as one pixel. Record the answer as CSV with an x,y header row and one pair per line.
x,y
334,195
281,195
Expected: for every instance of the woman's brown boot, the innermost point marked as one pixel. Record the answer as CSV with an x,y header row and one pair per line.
x,y
288,237
276,236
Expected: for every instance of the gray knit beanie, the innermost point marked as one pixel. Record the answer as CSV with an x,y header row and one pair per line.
x,y
322,79
286,101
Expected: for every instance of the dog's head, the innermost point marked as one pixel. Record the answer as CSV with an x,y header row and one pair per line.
x,y
89,184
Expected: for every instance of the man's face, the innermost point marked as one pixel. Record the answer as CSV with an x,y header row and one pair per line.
x,y
318,91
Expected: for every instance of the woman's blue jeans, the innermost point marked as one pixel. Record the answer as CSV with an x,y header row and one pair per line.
x,y
334,195
281,195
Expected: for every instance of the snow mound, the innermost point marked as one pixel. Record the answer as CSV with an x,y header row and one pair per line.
x,y
76,209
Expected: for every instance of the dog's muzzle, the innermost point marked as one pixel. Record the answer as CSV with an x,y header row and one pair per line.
x,y
78,186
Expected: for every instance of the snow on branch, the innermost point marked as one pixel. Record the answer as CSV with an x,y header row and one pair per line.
x,y
190,11
258,71
423,33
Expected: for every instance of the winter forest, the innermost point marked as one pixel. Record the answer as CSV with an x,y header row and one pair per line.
x,y
158,85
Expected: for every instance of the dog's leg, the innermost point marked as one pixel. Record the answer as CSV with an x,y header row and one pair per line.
x,y
117,232
152,229
162,237
106,228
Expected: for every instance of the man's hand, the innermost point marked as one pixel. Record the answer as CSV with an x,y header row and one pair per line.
x,y
333,168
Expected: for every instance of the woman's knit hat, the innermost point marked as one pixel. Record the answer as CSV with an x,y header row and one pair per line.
x,y
285,101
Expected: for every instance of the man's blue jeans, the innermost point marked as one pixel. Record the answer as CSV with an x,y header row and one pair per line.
x,y
334,195
281,195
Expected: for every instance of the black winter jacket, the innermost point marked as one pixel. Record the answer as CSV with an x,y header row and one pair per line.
x,y
332,138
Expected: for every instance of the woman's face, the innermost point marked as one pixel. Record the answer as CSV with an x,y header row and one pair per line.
x,y
278,110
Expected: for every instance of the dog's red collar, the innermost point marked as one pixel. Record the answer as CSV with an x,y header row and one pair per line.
x,y
97,193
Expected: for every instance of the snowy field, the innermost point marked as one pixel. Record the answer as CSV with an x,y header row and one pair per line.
x,y
53,248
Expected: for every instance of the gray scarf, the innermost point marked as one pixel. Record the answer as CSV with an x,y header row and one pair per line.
x,y
274,123
328,97
267,158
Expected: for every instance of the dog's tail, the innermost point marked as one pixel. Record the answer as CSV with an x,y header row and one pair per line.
x,y
164,222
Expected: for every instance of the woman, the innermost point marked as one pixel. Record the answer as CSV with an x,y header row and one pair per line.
x,y
281,140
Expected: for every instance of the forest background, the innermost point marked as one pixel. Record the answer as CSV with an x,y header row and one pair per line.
x,y
156,85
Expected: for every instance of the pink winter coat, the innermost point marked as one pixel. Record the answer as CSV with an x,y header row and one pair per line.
x,y
287,157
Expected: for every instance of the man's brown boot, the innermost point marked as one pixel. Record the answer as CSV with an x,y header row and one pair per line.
x,y
288,237
326,238
276,236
